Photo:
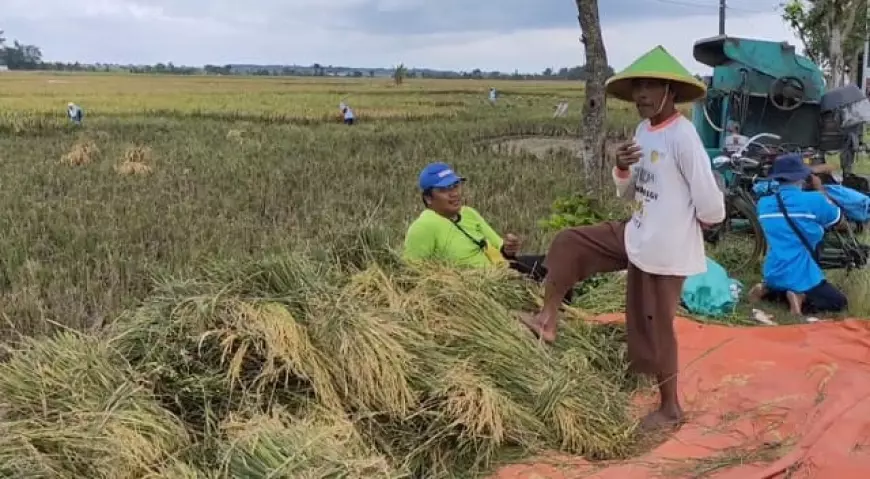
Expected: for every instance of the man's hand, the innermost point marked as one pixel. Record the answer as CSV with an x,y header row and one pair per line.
x,y
511,246
822,168
816,183
628,154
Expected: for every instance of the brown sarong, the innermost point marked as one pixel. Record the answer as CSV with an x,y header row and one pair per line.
x,y
651,300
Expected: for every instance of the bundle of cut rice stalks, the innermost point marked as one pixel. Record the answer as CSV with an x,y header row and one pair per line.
x,y
207,357
495,386
135,161
431,365
234,337
598,347
82,153
236,134
72,408
314,446
178,469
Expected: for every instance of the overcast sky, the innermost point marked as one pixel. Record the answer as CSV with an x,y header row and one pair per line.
x,y
504,35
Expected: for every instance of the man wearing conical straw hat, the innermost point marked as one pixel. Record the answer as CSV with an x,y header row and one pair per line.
x,y
666,173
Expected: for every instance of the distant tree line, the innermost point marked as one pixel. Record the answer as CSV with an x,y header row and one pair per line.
x,y
19,56
564,73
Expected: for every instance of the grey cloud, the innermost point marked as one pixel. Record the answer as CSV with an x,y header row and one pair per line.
x,y
509,15
390,17
355,32
462,15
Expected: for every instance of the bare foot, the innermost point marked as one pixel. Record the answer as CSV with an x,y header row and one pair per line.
x,y
795,303
548,332
532,322
660,420
756,294
536,324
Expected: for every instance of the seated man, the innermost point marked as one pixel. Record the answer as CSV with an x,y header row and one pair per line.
x,y
448,231
791,273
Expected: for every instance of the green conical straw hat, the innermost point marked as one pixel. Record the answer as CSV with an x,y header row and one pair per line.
x,y
660,65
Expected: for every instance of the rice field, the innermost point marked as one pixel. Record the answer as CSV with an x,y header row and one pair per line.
x,y
201,282
237,168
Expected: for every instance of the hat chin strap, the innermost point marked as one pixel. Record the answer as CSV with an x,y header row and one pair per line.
x,y
664,99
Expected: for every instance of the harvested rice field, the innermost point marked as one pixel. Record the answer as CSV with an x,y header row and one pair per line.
x,y
170,173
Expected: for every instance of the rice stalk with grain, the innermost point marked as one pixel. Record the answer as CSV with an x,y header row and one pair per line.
x,y
73,407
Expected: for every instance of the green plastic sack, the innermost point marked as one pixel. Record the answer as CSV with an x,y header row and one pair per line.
x,y
712,293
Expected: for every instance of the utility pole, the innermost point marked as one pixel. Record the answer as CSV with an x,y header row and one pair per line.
x,y
864,82
722,7
864,78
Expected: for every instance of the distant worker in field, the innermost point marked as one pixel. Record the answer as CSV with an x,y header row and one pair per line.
x,y
348,115
493,95
451,232
667,175
75,113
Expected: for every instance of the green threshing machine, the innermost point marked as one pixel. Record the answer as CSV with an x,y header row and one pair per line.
x,y
766,88
763,86
776,100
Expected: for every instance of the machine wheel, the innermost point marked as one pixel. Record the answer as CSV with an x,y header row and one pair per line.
x,y
787,93
739,240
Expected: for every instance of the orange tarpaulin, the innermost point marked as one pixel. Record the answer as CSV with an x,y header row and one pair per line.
x,y
801,391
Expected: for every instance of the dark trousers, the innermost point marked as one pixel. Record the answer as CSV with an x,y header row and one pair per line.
x,y
847,154
823,298
533,267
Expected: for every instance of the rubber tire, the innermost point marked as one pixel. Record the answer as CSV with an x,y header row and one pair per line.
x,y
748,211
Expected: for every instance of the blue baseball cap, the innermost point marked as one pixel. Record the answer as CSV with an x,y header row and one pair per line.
x,y
790,168
438,175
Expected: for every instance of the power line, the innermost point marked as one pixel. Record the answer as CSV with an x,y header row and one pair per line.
x,y
771,8
710,6
684,3
723,6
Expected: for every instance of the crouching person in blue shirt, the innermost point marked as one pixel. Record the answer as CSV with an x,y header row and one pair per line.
x,y
794,221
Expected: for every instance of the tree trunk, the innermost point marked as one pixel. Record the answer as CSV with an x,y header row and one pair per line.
x,y
848,27
592,127
836,58
834,47
842,23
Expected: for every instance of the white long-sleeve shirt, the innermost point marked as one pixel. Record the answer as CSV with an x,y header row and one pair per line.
x,y
74,112
674,190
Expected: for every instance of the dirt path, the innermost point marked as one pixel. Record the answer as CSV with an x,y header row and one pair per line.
x,y
539,146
